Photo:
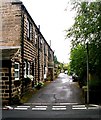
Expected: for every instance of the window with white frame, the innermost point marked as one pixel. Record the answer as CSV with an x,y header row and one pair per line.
x,y
28,68
17,69
29,30
36,38
25,69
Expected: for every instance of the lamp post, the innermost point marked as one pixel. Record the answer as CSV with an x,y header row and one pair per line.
x,y
87,74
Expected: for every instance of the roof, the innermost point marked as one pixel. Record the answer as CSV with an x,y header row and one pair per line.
x,y
7,54
10,2
16,1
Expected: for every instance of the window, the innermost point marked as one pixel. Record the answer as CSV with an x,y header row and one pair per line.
x,y
36,39
45,50
25,71
16,71
41,41
28,68
29,30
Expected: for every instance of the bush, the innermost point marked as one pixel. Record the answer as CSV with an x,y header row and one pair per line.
x,y
95,85
15,100
26,81
94,92
39,85
48,78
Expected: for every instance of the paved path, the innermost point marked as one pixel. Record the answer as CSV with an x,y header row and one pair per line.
x,y
61,90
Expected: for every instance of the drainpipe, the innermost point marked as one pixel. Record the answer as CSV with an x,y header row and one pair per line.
x,y
35,70
22,43
10,82
39,55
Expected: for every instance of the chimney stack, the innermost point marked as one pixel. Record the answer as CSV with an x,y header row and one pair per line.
x,y
50,43
39,27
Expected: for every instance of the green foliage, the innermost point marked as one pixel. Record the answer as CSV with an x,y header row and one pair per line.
x,y
78,60
65,67
56,73
87,23
39,85
87,28
95,85
69,69
49,78
60,66
56,60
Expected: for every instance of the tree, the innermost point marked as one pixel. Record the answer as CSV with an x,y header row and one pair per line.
x,y
55,60
87,28
78,62
65,67
87,23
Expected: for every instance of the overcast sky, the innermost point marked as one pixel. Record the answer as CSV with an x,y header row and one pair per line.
x,y
54,17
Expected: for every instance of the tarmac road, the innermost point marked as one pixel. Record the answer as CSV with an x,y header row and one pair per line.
x,y
61,90
61,99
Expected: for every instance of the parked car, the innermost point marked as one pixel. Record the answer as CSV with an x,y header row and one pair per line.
x,y
74,77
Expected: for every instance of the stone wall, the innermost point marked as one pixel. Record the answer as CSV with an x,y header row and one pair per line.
x,y
4,84
11,25
14,32
30,48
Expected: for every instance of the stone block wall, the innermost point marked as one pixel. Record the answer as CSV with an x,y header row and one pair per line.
x,y
12,36
30,50
8,83
4,84
11,24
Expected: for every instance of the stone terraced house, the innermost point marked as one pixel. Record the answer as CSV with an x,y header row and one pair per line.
x,y
25,52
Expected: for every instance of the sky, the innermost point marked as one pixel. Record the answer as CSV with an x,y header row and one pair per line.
x,y
54,17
